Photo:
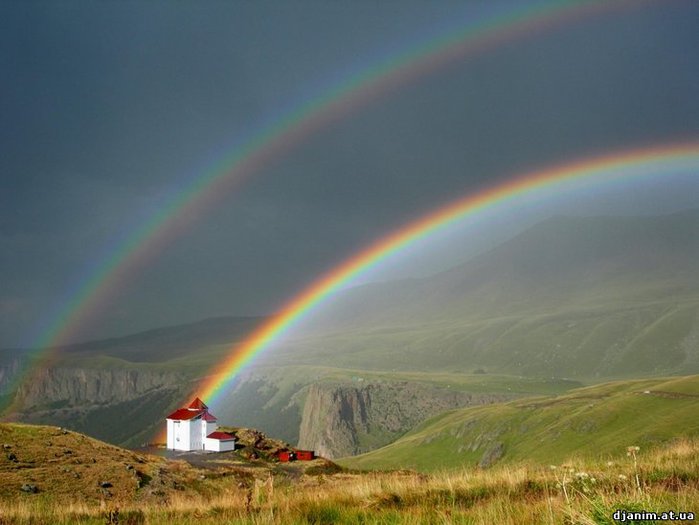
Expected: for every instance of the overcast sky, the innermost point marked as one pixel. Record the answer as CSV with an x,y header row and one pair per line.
x,y
105,107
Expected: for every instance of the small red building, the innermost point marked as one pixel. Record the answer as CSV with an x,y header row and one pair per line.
x,y
286,456
305,455
293,455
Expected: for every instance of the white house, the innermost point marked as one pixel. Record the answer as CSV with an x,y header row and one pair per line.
x,y
194,428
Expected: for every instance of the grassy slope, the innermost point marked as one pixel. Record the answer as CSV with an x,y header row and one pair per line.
x,y
583,492
69,466
590,298
625,339
592,422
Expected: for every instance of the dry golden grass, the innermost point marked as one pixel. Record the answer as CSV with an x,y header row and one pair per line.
x,y
578,492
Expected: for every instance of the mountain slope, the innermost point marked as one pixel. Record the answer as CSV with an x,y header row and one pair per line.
x,y
574,297
167,343
592,422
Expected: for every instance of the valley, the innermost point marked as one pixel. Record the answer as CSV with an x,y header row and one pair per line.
x,y
566,303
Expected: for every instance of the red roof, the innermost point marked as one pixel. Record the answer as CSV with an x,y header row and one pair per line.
x,y
209,417
198,404
185,413
222,436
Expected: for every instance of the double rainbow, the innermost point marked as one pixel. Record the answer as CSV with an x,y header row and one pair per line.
x,y
173,217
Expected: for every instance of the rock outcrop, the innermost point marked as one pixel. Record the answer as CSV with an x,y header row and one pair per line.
x,y
72,386
343,419
11,366
123,406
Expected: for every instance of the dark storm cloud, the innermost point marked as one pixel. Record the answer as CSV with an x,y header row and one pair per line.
x,y
108,107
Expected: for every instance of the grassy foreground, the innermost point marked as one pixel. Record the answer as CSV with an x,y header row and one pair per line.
x,y
575,492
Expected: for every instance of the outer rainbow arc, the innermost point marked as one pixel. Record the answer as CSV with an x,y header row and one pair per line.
x,y
294,311
292,128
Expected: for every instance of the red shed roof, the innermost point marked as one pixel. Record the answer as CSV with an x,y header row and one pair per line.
x,y
185,413
222,436
197,404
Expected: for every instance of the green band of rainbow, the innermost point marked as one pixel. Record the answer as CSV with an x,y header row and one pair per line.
x,y
606,169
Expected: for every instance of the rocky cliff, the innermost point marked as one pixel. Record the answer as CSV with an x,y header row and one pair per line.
x,y
74,386
10,368
343,419
120,405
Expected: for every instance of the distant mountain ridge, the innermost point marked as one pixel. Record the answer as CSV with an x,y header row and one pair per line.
x,y
571,297
161,344
562,256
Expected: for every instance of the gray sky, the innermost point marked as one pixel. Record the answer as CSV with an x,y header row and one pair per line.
x,y
105,107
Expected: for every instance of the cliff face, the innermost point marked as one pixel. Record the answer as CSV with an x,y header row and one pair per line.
x,y
71,386
124,406
343,419
10,368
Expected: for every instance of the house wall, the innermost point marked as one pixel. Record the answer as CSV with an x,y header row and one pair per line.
x,y
185,436
196,440
217,445
178,435
170,434
207,428
227,445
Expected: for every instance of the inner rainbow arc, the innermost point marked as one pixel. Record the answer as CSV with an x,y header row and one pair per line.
x,y
614,166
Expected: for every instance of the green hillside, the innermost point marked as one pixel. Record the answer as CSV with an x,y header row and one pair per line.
x,y
586,342
591,298
593,422
168,343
